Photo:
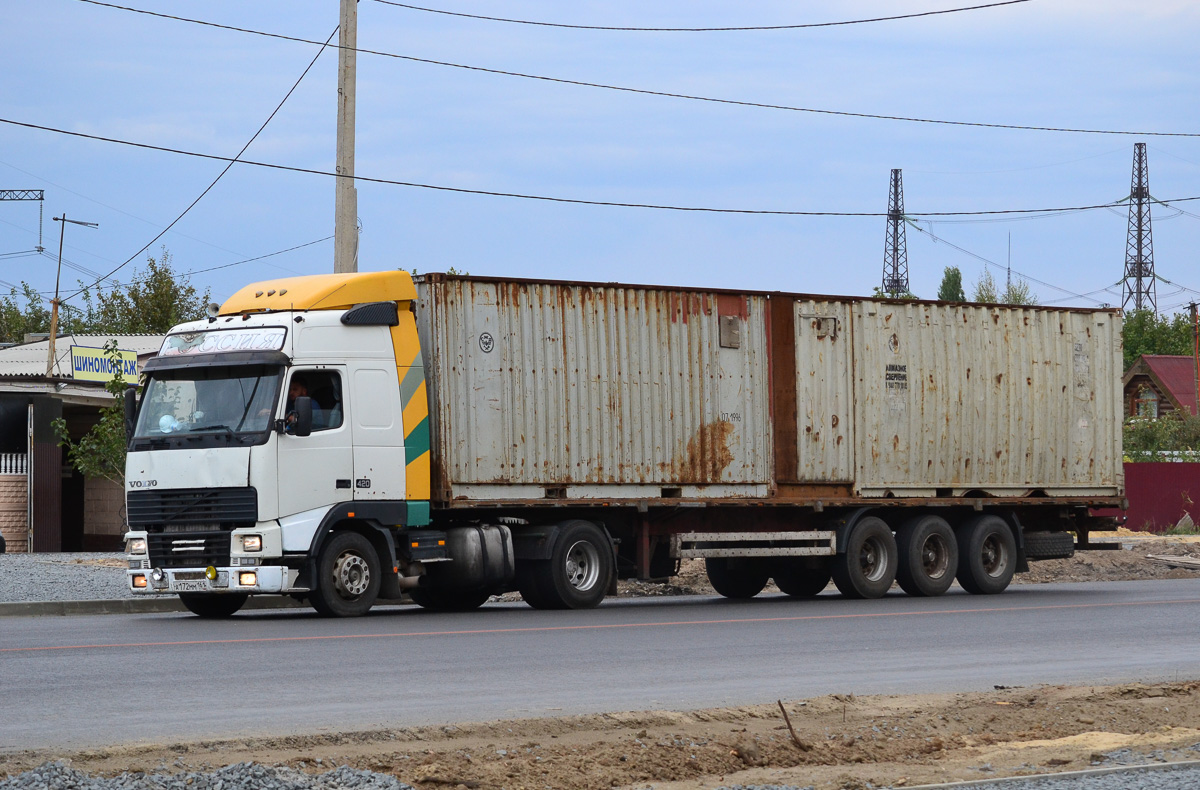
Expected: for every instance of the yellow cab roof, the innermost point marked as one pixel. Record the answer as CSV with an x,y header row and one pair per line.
x,y
322,292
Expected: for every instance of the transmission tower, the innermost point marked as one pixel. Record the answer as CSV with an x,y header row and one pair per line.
x,y
28,194
1139,249
895,255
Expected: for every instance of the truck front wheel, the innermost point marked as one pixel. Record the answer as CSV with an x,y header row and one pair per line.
x,y
868,567
987,555
212,607
348,576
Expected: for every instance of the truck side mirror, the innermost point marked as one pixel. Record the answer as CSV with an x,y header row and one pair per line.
x,y
304,416
130,412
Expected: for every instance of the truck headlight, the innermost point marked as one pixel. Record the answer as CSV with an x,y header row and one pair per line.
x,y
251,542
135,546
248,579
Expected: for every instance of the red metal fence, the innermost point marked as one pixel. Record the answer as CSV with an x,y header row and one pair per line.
x,y
1160,493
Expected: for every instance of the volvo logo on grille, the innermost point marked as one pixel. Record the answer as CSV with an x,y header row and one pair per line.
x,y
143,483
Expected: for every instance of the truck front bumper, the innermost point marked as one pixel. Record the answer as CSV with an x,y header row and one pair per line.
x,y
269,579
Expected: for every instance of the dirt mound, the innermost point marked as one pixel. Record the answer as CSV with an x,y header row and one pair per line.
x,y
839,741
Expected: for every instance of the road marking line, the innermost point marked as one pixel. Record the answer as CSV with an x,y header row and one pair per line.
x,y
599,626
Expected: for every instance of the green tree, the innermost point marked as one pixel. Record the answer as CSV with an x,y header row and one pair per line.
x,y
1018,292
1145,332
879,293
985,289
155,300
101,451
951,289
1145,438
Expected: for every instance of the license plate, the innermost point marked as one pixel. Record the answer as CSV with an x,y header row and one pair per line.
x,y
189,586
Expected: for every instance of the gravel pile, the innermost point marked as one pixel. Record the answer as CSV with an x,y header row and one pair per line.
x,y
241,776
63,577
1187,778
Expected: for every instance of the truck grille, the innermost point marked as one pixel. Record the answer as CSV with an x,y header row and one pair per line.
x,y
188,549
226,507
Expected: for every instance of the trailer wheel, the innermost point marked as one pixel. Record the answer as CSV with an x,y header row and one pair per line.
x,y
737,577
449,600
348,577
578,572
213,607
928,556
987,555
868,567
798,580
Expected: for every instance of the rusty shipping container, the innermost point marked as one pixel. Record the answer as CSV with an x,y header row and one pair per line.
x,y
588,391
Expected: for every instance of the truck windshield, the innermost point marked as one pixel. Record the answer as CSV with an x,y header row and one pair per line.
x,y
193,403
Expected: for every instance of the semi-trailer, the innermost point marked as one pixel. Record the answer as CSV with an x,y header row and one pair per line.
x,y
353,437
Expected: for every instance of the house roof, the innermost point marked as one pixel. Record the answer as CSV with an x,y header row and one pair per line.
x,y
1174,375
28,360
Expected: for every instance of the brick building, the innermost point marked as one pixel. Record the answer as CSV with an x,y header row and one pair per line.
x,y
45,503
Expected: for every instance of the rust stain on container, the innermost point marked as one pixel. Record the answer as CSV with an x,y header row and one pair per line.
x,y
708,453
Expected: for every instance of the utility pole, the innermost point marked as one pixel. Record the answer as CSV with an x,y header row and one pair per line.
x,y
345,211
895,253
1196,352
54,303
1139,285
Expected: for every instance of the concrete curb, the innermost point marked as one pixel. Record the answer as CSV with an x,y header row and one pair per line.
x,y
1001,781
132,606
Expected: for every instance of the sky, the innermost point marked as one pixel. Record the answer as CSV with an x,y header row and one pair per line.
x,y
1083,64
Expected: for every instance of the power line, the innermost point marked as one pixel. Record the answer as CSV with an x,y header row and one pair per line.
x,y
225,170
695,29
931,235
575,201
647,92
224,265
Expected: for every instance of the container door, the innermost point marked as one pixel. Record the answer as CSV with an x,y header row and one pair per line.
x,y
316,470
824,406
378,431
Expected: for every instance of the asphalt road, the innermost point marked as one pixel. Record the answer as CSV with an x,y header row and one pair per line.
x,y
90,681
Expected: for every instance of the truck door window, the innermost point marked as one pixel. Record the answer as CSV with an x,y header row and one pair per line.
x,y
325,389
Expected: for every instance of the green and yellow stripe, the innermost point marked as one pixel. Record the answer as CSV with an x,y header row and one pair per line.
x,y
413,395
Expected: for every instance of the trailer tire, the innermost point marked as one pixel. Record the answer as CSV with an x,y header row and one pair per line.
x,y
987,555
1049,545
578,573
213,607
799,580
348,577
868,566
928,556
737,577
448,600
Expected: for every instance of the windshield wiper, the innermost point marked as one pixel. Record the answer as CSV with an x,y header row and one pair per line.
x,y
225,428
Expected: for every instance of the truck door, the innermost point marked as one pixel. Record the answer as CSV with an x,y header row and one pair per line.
x,y
378,428
316,470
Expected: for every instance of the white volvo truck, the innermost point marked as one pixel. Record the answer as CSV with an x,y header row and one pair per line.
x,y
346,438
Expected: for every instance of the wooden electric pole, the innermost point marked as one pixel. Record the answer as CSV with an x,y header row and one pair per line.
x,y
1196,352
345,238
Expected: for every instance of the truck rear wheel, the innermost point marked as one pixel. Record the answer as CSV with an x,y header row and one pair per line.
x,y
928,556
798,579
987,555
448,600
348,576
868,567
213,607
737,577
578,572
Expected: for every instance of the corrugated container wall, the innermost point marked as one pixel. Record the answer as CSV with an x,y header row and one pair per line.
x,y
578,391
1006,400
543,390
